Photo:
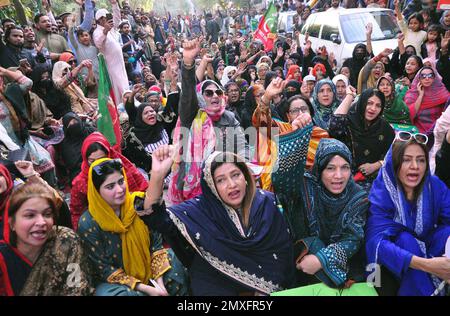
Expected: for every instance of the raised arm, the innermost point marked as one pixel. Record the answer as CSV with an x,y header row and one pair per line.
x,y
369,28
66,80
162,160
365,71
49,12
88,16
116,13
188,104
345,105
400,19
401,44
201,69
73,37
339,120
129,104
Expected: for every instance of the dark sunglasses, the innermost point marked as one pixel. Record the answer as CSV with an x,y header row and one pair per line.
x,y
210,93
114,163
71,62
427,76
406,136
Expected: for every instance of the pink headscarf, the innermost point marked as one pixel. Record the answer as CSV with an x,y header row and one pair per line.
x,y
434,96
214,115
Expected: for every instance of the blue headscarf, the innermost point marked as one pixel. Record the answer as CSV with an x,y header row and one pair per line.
x,y
258,257
391,214
322,113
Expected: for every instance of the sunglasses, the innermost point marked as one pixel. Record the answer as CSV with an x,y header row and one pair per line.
x,y
427,76
210,93
71,62
406,136
114,163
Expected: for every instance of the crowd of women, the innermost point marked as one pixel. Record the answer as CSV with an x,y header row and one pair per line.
x,y
240,171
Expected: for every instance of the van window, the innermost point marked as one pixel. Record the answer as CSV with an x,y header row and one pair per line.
x,y
314,28
354,26
308,23
329,28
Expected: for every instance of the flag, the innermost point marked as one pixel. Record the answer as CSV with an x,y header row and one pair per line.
x,y
268,27
108,121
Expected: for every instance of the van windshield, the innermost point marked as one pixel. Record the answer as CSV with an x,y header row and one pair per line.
x,y
286,22
354,26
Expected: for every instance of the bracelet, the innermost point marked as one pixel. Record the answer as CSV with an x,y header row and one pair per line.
x,y
381,162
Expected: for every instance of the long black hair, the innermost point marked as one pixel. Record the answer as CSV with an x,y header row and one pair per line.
x,y
103,170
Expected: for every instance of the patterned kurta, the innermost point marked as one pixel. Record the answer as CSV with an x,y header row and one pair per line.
x,y
61,269
104,250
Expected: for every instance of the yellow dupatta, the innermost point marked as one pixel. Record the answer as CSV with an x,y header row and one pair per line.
x,y
133,231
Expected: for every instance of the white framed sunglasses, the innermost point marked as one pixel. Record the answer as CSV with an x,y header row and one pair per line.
x,y
406,136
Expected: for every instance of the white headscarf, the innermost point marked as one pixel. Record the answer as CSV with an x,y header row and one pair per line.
x,y
226,71
340,77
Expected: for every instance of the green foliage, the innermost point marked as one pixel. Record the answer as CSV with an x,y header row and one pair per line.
x,y
31,7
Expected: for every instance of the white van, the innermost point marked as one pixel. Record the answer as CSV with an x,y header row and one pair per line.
x,y
340,31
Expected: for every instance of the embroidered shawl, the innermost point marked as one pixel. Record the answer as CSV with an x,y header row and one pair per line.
x,y
259,257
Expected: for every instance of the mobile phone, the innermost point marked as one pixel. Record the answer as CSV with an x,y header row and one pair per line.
x,y
109,16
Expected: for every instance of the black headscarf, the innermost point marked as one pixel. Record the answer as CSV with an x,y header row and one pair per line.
x,y
370,143
291,85
157,66
356,63
56,100
74,136
14,94
147,134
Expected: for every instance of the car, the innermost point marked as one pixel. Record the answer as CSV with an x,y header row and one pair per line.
x,y
286,22
340,31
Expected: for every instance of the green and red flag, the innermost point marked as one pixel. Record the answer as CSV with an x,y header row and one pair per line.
x,y
108,121
268,27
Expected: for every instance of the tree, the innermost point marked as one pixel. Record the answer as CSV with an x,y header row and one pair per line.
x,y
20,12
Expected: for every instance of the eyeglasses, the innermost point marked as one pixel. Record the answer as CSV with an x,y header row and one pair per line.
x,y
296,111
406,136
427,76
210,93
115,163
71,62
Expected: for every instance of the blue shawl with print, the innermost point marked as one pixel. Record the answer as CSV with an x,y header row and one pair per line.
x,y
259,257
328,226
391,214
